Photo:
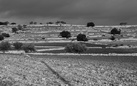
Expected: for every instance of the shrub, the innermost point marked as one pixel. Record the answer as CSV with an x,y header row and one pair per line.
x,y
24,26
28,47
31,22
5,46
123,23
75,48
115,31
116,45
60,22
20,27
95,39
13,23
112,38
90,24
1,37
81,37
17,45
43,38
14,30
121,44
4,23
49,23
65,34
103,35
34,22
5,35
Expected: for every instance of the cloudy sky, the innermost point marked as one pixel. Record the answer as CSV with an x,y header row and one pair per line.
x,y
101,12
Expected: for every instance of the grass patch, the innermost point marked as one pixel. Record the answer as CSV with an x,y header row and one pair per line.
x,y
53,51
46,47
51,44
111,50
63,44
99,51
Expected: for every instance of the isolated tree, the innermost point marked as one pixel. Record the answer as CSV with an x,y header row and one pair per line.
x,y
65,34
1,37
90,24
81,37
115,31
5,46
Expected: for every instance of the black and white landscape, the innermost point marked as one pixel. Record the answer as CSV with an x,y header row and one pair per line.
x,y
68,43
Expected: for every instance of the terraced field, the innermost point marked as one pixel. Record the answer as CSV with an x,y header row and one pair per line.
x,y
46,36
70,70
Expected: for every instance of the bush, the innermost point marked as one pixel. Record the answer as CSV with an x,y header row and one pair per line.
x,y
75,48
112,38
123,23
24,26
116,45
1,37
115,31
13,23
49,23
5,35
18,45
5,46
95,39
90,24
14,30
28,47
4,23
20,27
65,34
60,22
81,37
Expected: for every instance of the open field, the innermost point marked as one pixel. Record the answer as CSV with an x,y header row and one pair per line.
x,y
24,70
96,71
20,70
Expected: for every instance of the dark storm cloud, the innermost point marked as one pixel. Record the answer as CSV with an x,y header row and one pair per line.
x,y
32,7
97,10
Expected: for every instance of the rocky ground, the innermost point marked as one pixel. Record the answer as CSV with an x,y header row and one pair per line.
x,y
80,72
24,70
18,70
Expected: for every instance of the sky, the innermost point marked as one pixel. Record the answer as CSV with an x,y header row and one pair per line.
x,y
101,12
